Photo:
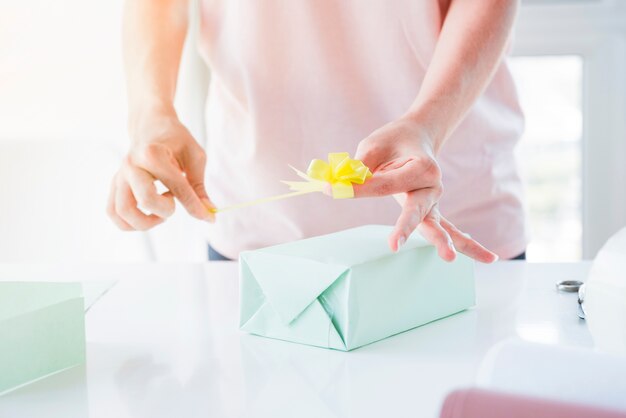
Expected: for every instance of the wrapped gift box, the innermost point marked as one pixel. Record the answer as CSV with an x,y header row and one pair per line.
x,y
42,330
348,289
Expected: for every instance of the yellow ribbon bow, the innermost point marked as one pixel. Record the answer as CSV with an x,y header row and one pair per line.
x,y
341,172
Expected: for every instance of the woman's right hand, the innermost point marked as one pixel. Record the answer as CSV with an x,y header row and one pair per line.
x,y
162,149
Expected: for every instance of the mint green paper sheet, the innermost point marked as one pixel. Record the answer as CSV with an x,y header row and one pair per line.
x,y
42,330
348,289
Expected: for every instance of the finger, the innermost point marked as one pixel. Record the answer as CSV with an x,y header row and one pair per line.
x,y
417,205
143,188
178,185
195,164
433,232
408,175
119,222
164,166
126,208
468,246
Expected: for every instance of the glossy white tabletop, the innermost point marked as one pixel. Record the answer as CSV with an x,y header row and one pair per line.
x,y
164,342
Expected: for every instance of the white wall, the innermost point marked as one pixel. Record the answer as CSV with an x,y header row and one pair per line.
x,y
60,70
63,132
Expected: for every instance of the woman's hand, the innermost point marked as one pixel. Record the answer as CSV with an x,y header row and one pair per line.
x,y
470,46
162,149
401,156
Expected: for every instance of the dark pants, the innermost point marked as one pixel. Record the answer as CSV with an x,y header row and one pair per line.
x,y
215,256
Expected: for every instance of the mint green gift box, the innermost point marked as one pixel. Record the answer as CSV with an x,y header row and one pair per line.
x,y
42,330
348,289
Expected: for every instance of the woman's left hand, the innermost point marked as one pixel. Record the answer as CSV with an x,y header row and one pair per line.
x,y
401,155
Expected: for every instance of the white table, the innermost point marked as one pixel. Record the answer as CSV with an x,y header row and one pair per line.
x,y
164,342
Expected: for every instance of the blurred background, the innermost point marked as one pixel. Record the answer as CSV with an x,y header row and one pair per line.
x,y
63,130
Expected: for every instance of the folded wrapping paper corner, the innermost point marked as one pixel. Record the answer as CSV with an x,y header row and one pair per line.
x,y
42,330
340,172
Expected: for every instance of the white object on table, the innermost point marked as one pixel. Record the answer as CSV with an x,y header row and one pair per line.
x,y
567,374
605,296
164,342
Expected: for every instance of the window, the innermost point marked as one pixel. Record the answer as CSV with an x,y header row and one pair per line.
x,y
550,153
570,61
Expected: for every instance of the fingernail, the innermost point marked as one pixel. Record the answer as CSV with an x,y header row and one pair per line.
x,y
497,258
401,241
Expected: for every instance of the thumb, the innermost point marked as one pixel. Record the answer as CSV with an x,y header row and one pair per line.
x,y
200,190
367,155
195,176
372,153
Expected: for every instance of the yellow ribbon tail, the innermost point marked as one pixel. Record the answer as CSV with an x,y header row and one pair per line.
x,y
300,173
340,171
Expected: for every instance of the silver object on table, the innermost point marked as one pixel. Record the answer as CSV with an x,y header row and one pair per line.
x,y
574,286
581,302
569,286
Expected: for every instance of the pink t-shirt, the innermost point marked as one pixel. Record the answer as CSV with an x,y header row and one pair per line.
x,y
295,80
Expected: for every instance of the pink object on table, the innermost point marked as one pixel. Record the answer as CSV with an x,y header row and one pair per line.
x,y
478,403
